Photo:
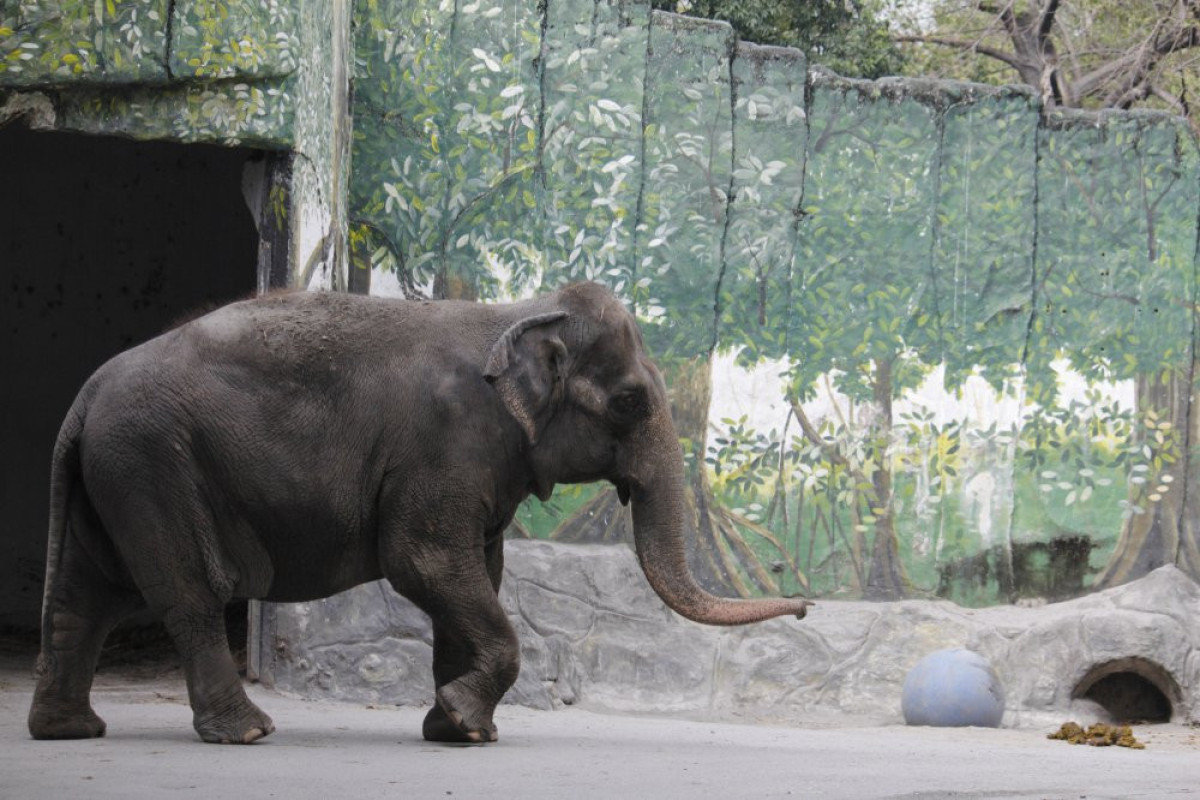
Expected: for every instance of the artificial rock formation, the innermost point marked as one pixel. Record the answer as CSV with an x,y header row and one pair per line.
x,y
593,633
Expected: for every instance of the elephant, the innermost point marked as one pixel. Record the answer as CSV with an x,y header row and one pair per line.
x,y
294,445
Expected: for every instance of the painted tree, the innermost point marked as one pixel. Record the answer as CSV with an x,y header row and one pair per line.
x,y
981,301
1115,291
1114,189
859,310
705,213
678,258
753,300
447,144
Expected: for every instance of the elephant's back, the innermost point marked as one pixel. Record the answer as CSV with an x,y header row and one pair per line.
x,y
299,325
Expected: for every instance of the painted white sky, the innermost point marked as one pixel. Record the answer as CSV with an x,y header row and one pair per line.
x,y
758,394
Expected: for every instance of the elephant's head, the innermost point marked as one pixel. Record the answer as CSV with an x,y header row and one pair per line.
x,y
576,376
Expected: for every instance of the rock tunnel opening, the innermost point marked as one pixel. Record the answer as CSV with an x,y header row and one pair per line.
x,y
1131,690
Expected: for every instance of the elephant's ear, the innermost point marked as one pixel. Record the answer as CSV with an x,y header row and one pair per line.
x,y
525,366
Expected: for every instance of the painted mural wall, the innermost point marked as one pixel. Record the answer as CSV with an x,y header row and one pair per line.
x,y
922,338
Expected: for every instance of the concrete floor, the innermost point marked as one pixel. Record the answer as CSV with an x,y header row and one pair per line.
x,y
324,750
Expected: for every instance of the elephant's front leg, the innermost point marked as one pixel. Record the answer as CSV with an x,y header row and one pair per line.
x,y
475,650
469,687
450,660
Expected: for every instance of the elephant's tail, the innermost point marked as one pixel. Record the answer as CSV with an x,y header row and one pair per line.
x,y
64,475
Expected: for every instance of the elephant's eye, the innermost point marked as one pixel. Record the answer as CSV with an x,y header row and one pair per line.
x,y
628,406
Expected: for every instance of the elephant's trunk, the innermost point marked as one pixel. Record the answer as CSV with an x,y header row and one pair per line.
x,y
659,513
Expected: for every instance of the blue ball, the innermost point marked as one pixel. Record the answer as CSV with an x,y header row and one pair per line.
x,y
953,688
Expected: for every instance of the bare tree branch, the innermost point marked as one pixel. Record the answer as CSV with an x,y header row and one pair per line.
x,y
1091,83
1175,102
963,45
1047,19
1092,71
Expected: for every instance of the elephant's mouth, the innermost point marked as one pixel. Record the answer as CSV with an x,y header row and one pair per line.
x,y
622,490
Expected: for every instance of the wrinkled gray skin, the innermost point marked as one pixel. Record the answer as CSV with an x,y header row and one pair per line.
x,y
293,446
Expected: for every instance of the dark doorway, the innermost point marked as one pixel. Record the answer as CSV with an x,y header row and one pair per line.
x,y
104,242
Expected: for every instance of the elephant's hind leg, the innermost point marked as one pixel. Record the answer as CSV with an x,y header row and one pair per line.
x,y
83,606
184,586
222,713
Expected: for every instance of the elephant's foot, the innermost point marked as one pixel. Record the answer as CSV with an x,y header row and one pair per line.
x,y
241,725
438,727
46,723
458,717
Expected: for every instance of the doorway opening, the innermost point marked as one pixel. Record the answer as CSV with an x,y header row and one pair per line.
x,y
104,243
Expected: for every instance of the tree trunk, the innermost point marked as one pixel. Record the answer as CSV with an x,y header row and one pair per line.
x,y
448,284
721,559
886,579
1152,538
1187,550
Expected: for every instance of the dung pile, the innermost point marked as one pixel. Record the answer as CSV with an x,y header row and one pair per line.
x,y
1098,735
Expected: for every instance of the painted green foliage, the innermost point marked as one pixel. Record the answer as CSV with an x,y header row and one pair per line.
x,y
770,131
234,39
120,41
451,181
224,76
1117,233
688,142
981,323
232,113
125,41
982,283
592,141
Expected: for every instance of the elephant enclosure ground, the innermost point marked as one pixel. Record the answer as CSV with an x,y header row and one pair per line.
x,y
357,750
